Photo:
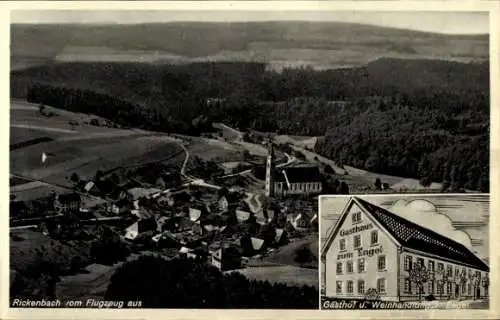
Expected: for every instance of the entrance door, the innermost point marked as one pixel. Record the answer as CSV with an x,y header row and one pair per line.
x,y
457,291
478,293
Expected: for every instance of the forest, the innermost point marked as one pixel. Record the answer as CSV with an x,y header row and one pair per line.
x,y
424,119
186,283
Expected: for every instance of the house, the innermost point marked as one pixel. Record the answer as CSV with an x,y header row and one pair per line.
x,y
249,245
243,216
18,209
119,207
226,258
138,193
371,249
281,237
140,227
142,213
299,221
194,214
228,202
67,203
264,217
304,179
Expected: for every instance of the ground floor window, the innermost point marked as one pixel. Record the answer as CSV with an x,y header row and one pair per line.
x,y
431,286
350,287
448,288
407,288
339,287
361,287
381,285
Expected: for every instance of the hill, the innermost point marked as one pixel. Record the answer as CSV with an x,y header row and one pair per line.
x,y
322,45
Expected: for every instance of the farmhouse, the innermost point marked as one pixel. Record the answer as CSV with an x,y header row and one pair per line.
x,y
304,179
67,203
371,248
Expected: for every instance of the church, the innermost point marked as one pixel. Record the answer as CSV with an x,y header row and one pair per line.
x,y
301,179
371,249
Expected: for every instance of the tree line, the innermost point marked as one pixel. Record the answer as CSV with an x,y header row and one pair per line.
x,y
413,118
186,283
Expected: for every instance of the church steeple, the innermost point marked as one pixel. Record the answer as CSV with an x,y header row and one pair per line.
x,y
270,166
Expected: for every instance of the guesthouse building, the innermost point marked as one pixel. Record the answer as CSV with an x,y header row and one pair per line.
x,y
373,250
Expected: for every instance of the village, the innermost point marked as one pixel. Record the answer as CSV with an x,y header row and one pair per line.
x,y
159,209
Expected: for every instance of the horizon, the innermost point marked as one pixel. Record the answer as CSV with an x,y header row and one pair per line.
x,y
446,23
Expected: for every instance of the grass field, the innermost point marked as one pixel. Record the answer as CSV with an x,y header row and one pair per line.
x,y
29,246
290,275
82,149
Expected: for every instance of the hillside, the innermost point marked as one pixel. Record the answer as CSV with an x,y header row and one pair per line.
x,y
322,45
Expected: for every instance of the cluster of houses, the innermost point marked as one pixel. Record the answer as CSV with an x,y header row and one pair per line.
x,y
215,227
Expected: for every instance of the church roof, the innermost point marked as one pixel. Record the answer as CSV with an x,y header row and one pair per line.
x,y
413,236
299,174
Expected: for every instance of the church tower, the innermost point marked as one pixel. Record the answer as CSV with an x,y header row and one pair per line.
x,y
270,171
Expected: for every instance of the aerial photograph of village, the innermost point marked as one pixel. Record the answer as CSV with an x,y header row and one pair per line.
x,y
157,162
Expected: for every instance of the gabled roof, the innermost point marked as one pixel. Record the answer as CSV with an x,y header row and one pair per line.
x,y
242,215
413,236
257,243
299,174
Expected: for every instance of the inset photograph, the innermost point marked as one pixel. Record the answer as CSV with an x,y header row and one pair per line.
x,y
404,251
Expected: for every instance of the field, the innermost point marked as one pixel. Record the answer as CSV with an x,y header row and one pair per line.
x,y
280,44
28,246
290,275
82,148
286,254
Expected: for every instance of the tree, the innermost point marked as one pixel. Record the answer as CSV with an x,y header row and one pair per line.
x,y
485,282
186,283
303,255
378,184
74,177
441,280
425,182
41,108
419,275
344,188
329,169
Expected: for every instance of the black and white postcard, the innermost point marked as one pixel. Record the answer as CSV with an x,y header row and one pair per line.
x,y
405,251
174,156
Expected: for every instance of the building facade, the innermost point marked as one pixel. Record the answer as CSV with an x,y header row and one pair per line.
x,y
291,180
371,248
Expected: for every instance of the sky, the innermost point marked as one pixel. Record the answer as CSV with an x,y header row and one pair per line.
x,y
441,22
443,210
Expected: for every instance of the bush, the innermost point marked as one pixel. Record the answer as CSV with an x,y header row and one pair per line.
x,y
430,298
186,283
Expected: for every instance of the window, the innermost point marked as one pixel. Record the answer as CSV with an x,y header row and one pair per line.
x,y
440,266
431,266
357,241
381,263
381,285
431,286
374,237
449,271
469,289
440,288
339,267
361,265
350,268
448,287
350,287
420,262
356,217
457,272
407,287
463,289
361,287
342,244
338,287
408,263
